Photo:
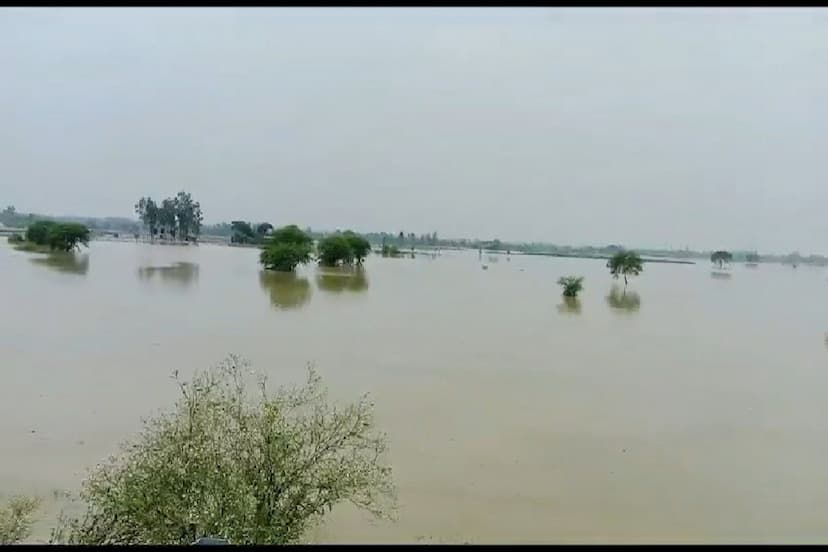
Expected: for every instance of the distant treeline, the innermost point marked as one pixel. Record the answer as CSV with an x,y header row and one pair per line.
x,y
406,240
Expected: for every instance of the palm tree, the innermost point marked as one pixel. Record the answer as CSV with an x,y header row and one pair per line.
x,y
625,263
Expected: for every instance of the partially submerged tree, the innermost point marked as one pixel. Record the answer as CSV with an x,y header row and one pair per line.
x,y
58,236
572,285
334,250
360,247
287,247
625,263
721,258
252,468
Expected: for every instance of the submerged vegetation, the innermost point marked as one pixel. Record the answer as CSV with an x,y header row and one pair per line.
x,y
48,235
286,248
721,258
343,249
625,263
177,218
235,462
572,285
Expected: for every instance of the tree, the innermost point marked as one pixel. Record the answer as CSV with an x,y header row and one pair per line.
x,y
287,247
625,263
721,257
188,213
263,228
166,217
38,231
147,212
572,285
16,519
335,249
250,467
67,236
242,232
360,247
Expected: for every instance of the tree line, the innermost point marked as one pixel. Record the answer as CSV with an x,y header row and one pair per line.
x,y
57,236
289,246
177,218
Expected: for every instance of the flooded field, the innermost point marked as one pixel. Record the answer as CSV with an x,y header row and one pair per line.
x,y
691,408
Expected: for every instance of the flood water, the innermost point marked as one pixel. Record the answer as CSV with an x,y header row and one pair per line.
x,y
691,408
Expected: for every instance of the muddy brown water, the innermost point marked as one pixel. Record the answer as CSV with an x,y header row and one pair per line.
x,y
689,409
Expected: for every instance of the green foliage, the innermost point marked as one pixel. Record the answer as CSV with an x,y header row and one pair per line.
x,y
16,519
360,247
721,257
60,236
335,249
572,285
343,248
38,231
242,232
66,236
250,467
178,217
287,247
625,263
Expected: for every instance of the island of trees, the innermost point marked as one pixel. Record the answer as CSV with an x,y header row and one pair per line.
x,y
175,219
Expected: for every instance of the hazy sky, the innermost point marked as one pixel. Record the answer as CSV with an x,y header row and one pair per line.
x,y
645,127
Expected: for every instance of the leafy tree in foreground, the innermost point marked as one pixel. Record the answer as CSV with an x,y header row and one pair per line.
x,y
252,468
625,263
572,285
16,519
287,247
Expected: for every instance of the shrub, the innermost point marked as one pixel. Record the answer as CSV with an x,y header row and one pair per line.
x,y
16,519
252,468
572,285
67,236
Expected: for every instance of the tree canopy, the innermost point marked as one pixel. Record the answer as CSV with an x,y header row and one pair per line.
x,y
287,247
59,236
343,248
721,257
235,460
625,263
179,217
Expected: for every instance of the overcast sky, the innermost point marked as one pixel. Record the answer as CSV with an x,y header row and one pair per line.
x,y
645,127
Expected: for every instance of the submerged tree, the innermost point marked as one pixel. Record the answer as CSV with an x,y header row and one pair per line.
x,y
625,263
334,250
721,258
287,247
250,467
572,285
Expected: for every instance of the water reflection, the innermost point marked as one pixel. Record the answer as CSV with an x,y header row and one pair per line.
x,y
570,305
719,275
622,299
183,274
65,262
286,289
342,279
